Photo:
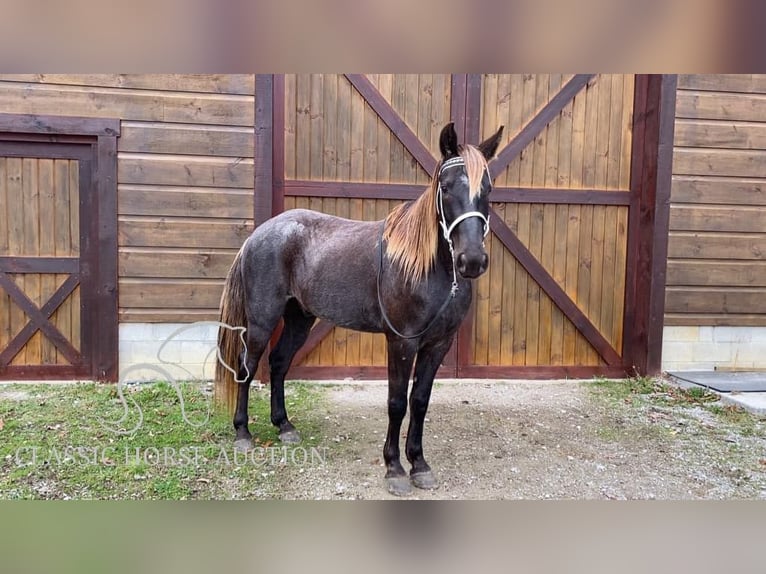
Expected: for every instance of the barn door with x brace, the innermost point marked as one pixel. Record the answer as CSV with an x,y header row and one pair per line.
x,y
579,220
352,145
58,312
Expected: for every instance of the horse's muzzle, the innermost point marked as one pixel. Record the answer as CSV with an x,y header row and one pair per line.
x,y
473,265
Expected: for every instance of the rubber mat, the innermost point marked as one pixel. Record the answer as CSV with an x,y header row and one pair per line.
x,y
725,382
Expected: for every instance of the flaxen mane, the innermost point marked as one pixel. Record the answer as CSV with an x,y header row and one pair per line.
x,y
412,229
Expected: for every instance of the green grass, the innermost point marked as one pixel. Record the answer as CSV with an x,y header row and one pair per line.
x,y
66,442
647,392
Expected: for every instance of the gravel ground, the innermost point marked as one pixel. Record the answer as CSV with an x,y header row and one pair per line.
x,y
539,440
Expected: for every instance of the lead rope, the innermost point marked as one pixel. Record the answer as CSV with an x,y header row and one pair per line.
x,y
447,231
452,293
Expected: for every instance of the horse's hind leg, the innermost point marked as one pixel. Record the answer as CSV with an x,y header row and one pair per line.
x,y
297,326
257,337
428,361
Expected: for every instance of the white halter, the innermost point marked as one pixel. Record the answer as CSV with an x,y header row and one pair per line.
x,y
448,229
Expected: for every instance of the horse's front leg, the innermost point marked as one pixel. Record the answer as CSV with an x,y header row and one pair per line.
x,y
429,359
401,355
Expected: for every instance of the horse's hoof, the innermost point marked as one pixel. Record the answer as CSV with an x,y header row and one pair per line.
x,y
243,445
399,486
425,480
290,437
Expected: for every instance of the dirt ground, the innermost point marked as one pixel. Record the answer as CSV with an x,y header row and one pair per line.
x,y
539,440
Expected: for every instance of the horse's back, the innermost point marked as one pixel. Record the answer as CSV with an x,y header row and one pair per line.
x,y
327,263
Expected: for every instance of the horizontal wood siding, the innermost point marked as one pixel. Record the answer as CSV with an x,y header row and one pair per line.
x,y
185,177
717,249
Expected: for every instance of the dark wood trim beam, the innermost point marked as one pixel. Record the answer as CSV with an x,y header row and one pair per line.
x,y
533,128
263,183
458,103
106,338
352,190
278,151
548,284
40,264
661,227
395,123
319,373
542,372
649,222
44,372
552,195
42,124
636,173
43,149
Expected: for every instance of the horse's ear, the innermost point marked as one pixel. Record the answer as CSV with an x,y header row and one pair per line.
x,y
448,141
488,147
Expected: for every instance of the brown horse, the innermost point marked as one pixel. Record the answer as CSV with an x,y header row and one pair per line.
x,y
408,276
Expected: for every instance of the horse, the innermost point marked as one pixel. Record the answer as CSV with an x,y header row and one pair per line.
x,y
399,276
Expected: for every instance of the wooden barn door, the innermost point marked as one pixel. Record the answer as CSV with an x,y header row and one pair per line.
x,y
581,187
56,320
354,146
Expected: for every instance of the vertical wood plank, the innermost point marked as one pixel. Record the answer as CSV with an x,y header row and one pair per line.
x,y
596,270
424,114
626,142
316,119
290,125
608,292
303,107
386,148
615,133
522,279
494,276
47,245
73,175
62,318
602,131
16,242
31,193
620,270
507,325
583,351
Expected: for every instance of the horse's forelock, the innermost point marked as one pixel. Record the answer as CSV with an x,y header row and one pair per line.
x,y
475,167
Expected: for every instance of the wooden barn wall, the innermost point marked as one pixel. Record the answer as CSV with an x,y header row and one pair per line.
x,y
185,178
717,246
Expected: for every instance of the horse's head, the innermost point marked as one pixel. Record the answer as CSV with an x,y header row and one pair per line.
x,y
462,201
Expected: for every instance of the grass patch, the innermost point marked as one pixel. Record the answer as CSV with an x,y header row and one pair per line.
x,y
653,396
640,390
79,441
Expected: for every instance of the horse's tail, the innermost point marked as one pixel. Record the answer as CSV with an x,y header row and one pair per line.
x,y
229,339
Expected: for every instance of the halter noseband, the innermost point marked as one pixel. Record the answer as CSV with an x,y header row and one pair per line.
x,y
448,229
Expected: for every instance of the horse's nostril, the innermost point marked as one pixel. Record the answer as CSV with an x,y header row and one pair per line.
x,y
461,262
484,262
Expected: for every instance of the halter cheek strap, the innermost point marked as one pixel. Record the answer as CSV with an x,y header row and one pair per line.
x,y
448,229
